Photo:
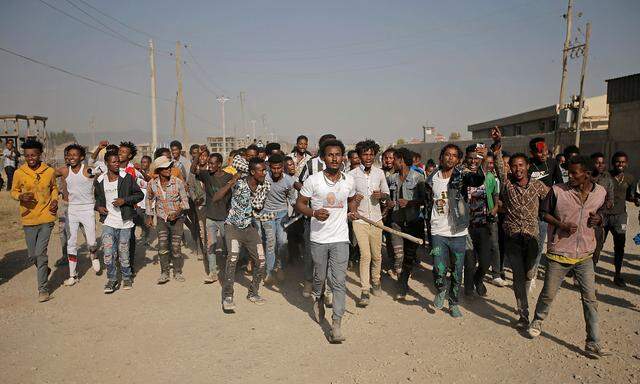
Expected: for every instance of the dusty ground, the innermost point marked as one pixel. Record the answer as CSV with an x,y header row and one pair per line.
x,y
178,332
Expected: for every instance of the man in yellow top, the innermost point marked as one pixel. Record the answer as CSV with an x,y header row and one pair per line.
x,y
34,186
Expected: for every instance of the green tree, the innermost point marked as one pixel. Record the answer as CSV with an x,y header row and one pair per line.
x,y
61,137
455,136
400,142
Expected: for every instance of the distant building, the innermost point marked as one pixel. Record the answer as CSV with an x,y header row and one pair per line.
x,y
144,149
215,143
544,120
623,95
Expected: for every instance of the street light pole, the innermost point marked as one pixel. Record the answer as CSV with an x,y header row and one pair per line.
x,y
222,99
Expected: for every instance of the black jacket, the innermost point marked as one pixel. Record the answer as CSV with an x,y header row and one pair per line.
x,y
127,189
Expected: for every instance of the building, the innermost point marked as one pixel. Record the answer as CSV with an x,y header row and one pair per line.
x,y
544,120
623,95
215,143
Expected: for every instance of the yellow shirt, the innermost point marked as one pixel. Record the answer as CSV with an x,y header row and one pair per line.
x,y
230,170
42,183
566,260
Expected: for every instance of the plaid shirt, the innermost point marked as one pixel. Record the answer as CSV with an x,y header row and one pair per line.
x,y
167,200
246,204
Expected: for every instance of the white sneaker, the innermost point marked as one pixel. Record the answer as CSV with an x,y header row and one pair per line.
x,y
95,263
71,281
498,281
531,285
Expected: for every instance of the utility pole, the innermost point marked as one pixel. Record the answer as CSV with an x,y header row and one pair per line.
x,y
222,100
253,129
563,81
263,118
583,72
185,136
175,115
154,114
243,122
92,127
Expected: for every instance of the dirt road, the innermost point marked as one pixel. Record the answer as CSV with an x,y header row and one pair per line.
x,y
178,332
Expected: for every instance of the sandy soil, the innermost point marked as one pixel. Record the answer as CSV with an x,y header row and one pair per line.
x,y
178,332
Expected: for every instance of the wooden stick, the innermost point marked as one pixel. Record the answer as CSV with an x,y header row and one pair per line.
x,y
392,231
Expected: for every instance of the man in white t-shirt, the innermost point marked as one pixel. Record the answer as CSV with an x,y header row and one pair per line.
x,y
331,194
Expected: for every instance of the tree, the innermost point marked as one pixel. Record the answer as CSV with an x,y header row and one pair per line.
x,y
61,137
400,142
455,136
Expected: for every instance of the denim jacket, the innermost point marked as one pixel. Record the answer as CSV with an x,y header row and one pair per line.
x,y
413,188
458,207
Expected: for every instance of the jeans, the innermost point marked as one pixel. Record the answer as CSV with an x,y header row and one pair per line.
x,y
249,239
170,244
617,225
307,257
370,242
37,238
496,259
585,276
214,228
408,250
275,240
542,238
9,171
481,256
448,254
115,244
522,252
330,262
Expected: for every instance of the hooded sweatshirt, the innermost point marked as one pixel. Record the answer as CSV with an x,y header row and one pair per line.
x,y
42,183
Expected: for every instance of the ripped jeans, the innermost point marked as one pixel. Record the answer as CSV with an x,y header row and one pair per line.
x,y
115,245
448,254
249,238
170,244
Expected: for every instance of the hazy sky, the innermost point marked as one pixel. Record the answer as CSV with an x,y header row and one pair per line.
x,y
358,69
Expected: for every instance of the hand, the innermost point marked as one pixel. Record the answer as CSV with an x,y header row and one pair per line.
x,y
358,198
496,135
390,204
171,217
27,198
352,216
403,202
594,219
103,210
482,151
137,166
235,178
321,214
376,195
119,202
149,222
53,207
569,227
102,144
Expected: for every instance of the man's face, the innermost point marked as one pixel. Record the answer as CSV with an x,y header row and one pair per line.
x,y
195,152
354,160
124,154
388,160
291,167
301,145
450,158
541,153
600,164
250,154
577,175
175,152
74,157
165,172
491,164
145,163
214,164
9,144
32,157
113,163
473,161
262,155
259,172
367,157
203,159
561,159
620,163
333,157
276,170
519,168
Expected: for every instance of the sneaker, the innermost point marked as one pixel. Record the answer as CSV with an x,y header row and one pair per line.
x,y
71,281
619,282
530,286
498,282
256,299
328,299
127,284
376,290
455,311
535,329
43,296
95,263
336,332
210,278
308,287
438,302
110,287
318,310
228,305
164,278
364,299
595,350
177,276
280,274
522,323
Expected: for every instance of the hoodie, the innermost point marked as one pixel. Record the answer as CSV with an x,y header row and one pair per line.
x,y
42,182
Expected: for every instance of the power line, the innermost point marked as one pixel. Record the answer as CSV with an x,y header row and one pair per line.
x,y
199,80
206,75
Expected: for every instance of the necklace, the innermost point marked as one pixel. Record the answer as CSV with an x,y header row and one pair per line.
x,y
329,182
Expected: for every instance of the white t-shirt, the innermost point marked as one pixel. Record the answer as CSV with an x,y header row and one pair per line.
x,y
440,218
114,217
323,193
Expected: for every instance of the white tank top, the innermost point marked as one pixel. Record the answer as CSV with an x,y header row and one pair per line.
x,y
80,188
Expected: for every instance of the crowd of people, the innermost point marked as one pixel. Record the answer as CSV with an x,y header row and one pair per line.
x,y
477,210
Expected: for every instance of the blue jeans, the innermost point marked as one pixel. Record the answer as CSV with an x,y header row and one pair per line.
x,y
115,244
213,228
542,238
448,254
276,241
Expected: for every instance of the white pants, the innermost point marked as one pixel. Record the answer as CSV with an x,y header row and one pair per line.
x,y
85,215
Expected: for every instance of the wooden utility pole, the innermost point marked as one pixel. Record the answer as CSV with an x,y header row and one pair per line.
x,y
175,115
583,73
222,100
154,116
183,127
563,81
243,122
92,127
